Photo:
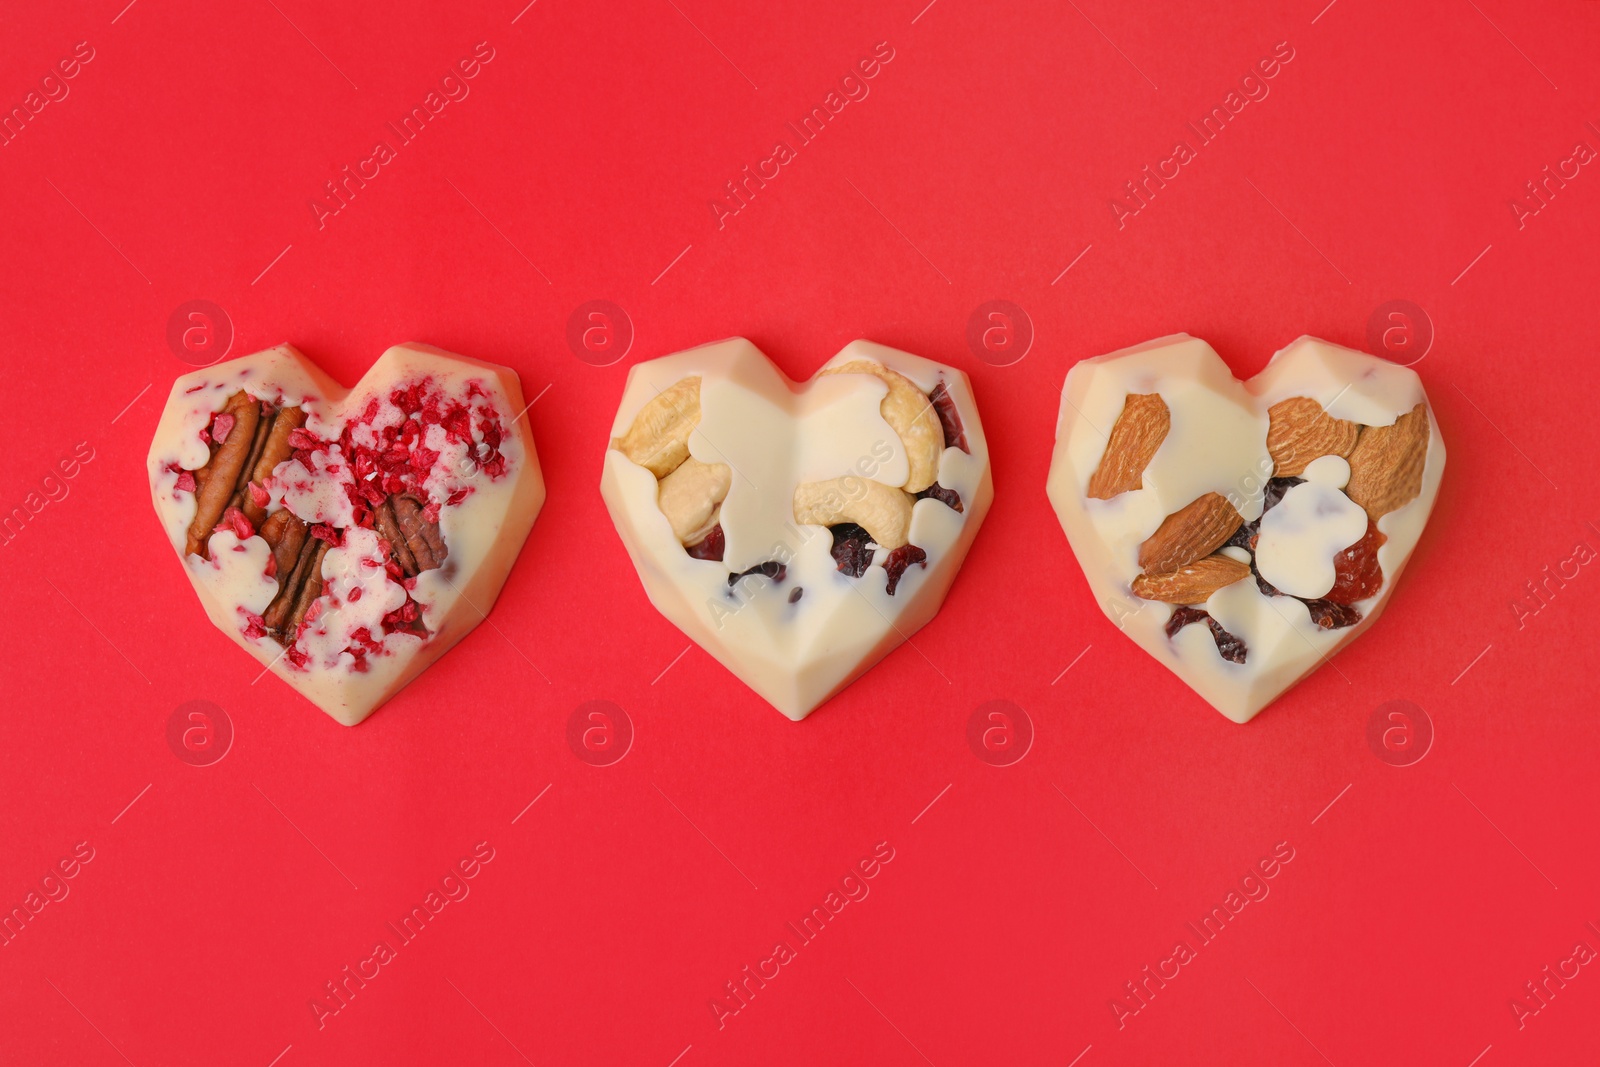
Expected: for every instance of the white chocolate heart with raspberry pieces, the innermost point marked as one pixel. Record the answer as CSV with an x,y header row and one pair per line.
x,y
346,538
1243,532
797,532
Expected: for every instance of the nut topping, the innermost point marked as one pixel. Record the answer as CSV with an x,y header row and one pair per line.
x,y
884,511
658,440
691,496
1387,462
911,414
1188,534
1193,583
1135,436
1300,431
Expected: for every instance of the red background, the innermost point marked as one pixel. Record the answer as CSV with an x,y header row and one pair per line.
x,y
980,166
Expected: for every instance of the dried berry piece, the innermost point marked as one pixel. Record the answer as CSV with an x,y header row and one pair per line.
x,y
710,546
1331,616
771,569
944,406
899,560
948,497
794,597
1229,647
1357,574
852,548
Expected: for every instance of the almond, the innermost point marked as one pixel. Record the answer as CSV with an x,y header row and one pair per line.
x,y
1301,431
1189,534
1138,432
1386,464
1191,584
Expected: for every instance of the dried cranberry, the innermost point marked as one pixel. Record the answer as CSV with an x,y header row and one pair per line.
x,y
901,558
852,549
770,569
1182,617
1357,575
948,497
1330,616
945,407
710,546
1229,647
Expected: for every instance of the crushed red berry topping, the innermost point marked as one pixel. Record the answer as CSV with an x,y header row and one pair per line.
x,y
185,482
221,426
235,520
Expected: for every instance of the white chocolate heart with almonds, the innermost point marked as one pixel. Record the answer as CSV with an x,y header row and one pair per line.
x,y
1243,532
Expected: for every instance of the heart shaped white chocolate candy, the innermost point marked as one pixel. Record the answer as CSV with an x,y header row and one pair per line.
x,y
1243,532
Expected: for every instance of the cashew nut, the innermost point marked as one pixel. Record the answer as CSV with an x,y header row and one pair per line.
x,y
691,497
883,510
910,413
659,437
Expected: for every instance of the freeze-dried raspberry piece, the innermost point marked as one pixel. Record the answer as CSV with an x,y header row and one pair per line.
x,y
185,482
221,426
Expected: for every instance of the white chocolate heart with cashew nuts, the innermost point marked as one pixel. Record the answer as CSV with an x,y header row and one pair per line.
x,y
1243,532
798,533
